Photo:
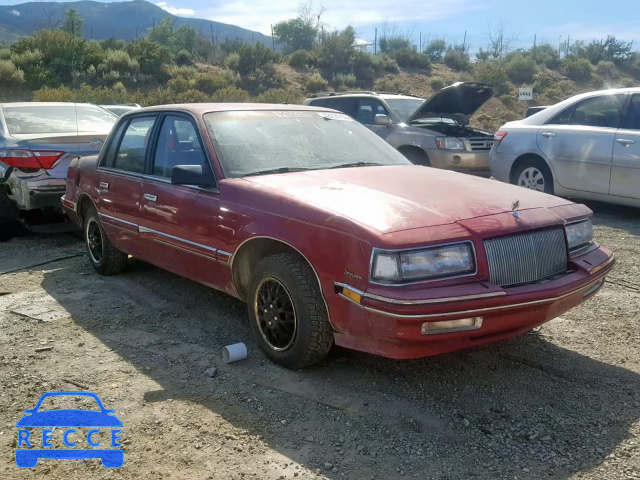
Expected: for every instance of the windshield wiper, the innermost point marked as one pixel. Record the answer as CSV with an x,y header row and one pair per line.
x,y
358,164
277,170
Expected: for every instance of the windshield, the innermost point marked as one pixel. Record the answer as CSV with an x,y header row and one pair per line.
x,y
248,142
404,107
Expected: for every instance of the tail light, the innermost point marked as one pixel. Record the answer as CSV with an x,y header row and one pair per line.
x,y
499,136
29,158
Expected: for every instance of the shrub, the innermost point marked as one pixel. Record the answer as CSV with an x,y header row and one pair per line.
x,y
254,58
437,83
389,84
151,57
48,94
210,82
262,79
119,60
608,69
188,73
457,60
578,69
111,77
5,54
547,55
183,58
349,81
192,96
385,63
178,84
316,83
436,49
279,95
233,61
301,58
542,82
493,73
10,75
409,58
520,69
231,94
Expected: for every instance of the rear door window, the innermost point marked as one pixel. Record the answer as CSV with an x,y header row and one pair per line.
x,y
132,150
368,108
632,121
40,119
94,119
603,111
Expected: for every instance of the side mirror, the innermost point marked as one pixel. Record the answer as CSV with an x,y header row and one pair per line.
x,y
192,175
382,120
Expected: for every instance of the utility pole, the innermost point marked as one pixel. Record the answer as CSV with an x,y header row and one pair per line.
x,y
136,33
375,43
566,52
534,41
420,45
559,44
273,39
464,42
154,23
91,26
211,29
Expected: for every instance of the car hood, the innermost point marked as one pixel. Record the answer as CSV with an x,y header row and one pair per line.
x,y
69,418
458,101
396,198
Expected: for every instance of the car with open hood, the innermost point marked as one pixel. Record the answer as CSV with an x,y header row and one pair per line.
x,y
433,132
328,233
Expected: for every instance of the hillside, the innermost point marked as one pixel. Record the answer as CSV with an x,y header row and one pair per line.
x,y
123,20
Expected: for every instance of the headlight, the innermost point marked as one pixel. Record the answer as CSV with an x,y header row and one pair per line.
x,y
579,234
449,143
430,263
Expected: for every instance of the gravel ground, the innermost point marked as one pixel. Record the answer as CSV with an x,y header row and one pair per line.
x,y
560,403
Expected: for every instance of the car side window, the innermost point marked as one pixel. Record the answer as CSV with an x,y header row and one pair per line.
x,y
112,146
603,111
133,145
633,114
94,119
344,105
178,144
562,118
368,108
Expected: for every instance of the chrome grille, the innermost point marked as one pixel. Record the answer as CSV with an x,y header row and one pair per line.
x,y
526,258
481,144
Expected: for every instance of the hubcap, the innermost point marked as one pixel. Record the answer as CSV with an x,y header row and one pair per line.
x,y
532,178
94,240
275,314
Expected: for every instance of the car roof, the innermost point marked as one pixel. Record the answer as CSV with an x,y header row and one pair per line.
x,y
202,108
43,104
365,93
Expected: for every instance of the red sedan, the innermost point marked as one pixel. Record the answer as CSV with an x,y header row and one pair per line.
x,y
328,233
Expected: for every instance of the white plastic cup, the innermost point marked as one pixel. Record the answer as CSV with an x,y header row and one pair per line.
x,y
233,353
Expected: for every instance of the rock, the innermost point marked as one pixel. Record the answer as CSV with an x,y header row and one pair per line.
x,y
328,465
212,372
466,422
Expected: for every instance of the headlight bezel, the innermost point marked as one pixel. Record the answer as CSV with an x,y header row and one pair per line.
x,y
582,246
470,271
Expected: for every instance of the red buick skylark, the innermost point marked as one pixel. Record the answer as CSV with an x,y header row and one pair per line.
x,y
328,233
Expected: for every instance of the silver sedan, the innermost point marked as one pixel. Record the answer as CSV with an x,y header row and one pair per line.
x,y
585,147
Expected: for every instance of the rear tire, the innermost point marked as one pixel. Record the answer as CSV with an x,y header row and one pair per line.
x,y
534,174
416,156
9,224
287,313
104,257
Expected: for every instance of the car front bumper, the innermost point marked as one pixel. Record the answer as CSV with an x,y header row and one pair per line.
x,y
393,327
461,161
32,190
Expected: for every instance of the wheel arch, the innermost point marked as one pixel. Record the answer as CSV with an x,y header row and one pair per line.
x,y
84,203
523,158
417,150
252,250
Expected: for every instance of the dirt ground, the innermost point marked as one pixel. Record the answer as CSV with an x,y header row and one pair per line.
x,y
561,403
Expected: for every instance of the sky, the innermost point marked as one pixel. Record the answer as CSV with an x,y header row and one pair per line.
x,y
549,20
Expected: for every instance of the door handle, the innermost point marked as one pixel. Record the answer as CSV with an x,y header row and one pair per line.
x,y
548,134
625,142
104,185
151,198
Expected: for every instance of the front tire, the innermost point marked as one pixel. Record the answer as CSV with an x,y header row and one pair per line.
x,y
534,174
287,313
104,257
416,156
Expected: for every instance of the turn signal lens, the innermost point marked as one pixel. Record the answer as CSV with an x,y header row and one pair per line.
x,y
448,326
499,136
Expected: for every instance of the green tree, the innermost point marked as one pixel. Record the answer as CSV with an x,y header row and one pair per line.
x,y
393,43
72,22
150,55
336,53
295,34
436,49
185,39
163,33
